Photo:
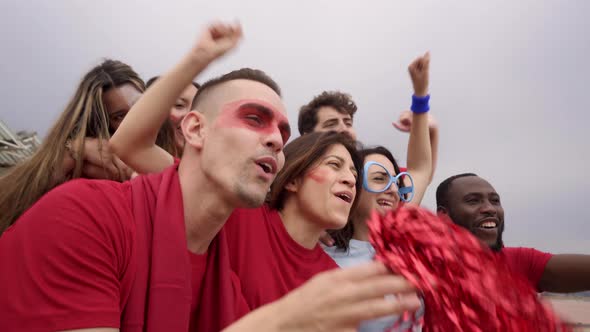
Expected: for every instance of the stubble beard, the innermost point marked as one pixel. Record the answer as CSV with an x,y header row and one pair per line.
x,y
250,198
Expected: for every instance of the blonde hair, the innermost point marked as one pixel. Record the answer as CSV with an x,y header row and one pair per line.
x,y
84,116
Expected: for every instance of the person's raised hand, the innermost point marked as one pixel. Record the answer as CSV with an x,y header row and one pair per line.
x,y
217,39
419,71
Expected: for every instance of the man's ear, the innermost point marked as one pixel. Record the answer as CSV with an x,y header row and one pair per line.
x,y
194,129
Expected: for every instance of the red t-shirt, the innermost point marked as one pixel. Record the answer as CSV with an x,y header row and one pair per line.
x,y
69,263
198,268
64,261
526,262
267,260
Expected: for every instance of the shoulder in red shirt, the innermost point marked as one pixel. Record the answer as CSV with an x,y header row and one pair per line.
x,y
80,258
68,260
526,262
267,260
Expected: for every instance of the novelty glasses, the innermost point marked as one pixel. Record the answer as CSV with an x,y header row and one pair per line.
x,y
376,179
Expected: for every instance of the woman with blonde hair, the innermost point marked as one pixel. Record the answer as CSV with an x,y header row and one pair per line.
x,y
77,144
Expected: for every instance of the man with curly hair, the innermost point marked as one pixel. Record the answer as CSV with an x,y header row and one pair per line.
x,y
331,110
335,110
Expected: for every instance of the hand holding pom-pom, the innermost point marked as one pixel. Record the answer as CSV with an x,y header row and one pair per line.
x,y
464,285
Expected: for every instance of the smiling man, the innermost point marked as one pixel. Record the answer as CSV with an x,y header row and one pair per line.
x,y
472,203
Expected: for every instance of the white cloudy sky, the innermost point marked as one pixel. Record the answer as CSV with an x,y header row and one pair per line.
x,y
508,79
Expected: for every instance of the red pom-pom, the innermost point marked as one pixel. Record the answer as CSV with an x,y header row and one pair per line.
x,y
464,286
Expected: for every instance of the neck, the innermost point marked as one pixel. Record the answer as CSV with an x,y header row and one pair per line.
x,y
205,209
300,226
361,230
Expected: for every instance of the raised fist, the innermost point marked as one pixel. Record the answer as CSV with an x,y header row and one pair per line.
x,y
218,39
419,72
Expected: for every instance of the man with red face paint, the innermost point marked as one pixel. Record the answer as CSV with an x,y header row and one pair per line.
x,y
472,203
97,255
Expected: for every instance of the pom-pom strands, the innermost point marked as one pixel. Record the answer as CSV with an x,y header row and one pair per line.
x,y
464,285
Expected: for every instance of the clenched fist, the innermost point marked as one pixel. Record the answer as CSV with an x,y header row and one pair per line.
x,y
419,72
217,39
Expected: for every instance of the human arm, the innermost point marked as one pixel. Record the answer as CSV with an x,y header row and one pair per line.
x,y
419,148
135,139
336,300
566,273
404,124
98,161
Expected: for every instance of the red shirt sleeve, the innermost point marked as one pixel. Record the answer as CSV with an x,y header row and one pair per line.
x,y
63,260
529,262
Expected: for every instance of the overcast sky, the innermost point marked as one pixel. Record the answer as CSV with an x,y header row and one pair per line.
x,y
509,80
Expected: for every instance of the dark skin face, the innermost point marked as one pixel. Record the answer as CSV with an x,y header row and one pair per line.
x,y
475,205
472,201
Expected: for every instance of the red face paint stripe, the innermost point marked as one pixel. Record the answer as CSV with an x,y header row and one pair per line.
x,y
235,114
317,175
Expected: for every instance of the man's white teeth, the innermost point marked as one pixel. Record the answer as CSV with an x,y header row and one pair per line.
x,y
488,224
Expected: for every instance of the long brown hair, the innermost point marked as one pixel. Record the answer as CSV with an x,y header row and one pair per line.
x,y
166,139
84,116
302,154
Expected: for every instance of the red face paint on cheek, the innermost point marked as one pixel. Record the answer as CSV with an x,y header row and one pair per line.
x,y
255,115
318,175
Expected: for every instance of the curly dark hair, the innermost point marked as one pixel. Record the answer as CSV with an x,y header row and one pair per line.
x,y
308,118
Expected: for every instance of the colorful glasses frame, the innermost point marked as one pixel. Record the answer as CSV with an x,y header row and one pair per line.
x,y
406,193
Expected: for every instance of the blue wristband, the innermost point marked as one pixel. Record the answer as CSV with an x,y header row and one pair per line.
x,y
420,104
